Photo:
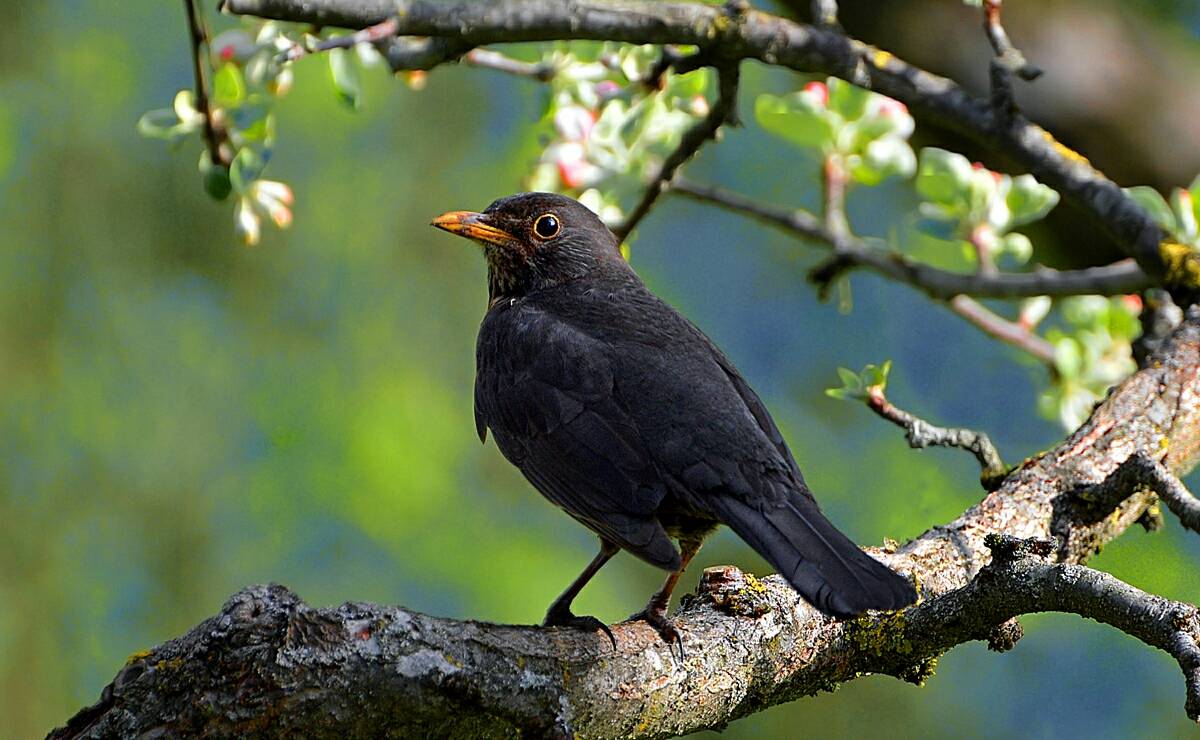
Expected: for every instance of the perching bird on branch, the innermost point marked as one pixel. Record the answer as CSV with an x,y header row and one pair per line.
x,y
620,411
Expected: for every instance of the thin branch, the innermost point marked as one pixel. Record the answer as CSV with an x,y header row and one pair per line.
x,y
198,36
768,38
825,13
833,200
1010,332
370,35
1119,278
921,434
488,59
1142,471
980,241
723,111
1009,56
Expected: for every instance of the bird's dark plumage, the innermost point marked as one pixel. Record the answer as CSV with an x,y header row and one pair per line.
x,y
623,413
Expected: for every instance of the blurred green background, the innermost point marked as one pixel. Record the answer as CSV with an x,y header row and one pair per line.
x,y
181,416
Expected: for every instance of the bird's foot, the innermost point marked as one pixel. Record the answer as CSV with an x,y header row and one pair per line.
x,y
564,618
664,625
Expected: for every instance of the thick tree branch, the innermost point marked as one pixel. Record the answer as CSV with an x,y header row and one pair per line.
x,y
770,39
1116,279
272,667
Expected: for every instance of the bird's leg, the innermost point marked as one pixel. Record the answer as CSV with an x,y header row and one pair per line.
x,y
559,614
655,613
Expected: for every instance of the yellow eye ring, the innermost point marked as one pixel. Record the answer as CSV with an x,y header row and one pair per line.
x,y
547,226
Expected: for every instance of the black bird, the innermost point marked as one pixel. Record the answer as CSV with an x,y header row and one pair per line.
x,y
620,411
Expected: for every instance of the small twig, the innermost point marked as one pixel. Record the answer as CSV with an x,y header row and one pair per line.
x,y
486,58
723,111
370,35
199,39
985,262
1010,332
833,199
1007,54
1141,471
921,434
825,13
1008,61
1118,278
403,53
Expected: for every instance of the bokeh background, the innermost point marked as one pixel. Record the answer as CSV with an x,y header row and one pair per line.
x,y
181,416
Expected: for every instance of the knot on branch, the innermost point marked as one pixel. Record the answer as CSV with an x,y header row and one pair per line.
x,y
1004,636
1007,549
734,591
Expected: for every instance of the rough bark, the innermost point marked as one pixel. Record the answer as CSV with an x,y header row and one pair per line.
x,y
270,666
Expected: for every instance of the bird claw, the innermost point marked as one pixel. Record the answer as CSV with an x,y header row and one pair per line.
x,y
663,625
588,623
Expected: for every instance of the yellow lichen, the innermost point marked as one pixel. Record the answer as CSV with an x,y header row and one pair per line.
x,y
1065,151
1182,264
139,655
882,58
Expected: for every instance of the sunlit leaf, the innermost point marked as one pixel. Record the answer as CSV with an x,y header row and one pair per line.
x,y
229,87
1156,205
344,73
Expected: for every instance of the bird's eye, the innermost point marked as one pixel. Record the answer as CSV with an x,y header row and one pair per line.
x,y
547,226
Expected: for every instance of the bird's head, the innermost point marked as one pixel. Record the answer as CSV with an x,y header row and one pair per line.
x,y
534,241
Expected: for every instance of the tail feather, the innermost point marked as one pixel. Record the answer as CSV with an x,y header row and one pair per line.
x,y
820,562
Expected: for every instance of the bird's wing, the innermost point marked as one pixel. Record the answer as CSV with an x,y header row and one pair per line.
x,y
713,437
546,392
765,423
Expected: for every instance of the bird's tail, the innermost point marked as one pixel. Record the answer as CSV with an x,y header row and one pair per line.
x,y
821,563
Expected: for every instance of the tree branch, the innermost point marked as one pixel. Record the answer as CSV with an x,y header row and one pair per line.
x,y
1143,471
1009,332
770,39
723,111
198,37
270,666
1116,279
921,434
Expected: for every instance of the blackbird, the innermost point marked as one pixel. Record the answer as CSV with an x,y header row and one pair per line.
x,y
621,412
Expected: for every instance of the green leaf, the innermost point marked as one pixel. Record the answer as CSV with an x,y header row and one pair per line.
x,y
161,124
793,120
1068,357
1029,200
850,101
229,87
344,73
943,177
849,378
1184,206
1156,205
876,376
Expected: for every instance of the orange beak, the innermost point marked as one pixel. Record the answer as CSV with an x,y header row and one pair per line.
x,y
475,227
